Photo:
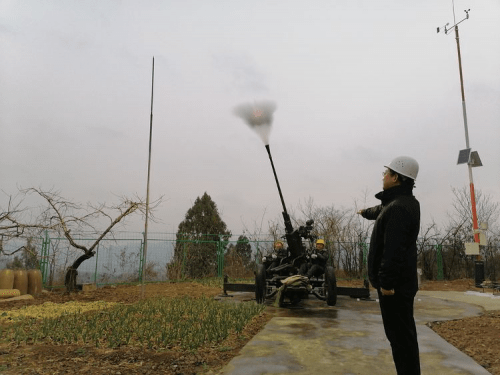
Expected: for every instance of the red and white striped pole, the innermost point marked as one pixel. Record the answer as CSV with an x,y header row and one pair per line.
x,y
471,181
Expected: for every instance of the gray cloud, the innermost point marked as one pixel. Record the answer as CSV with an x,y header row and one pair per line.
x,y
76,85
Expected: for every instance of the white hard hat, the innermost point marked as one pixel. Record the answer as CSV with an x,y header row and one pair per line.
x,y
404,165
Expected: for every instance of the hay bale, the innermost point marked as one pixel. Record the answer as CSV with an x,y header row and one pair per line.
x,y
25,296
6,279
9,293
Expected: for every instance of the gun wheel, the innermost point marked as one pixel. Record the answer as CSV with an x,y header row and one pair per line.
x,y
331,286
260,283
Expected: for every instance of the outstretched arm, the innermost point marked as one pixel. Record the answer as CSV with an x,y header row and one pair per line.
x,y
370,213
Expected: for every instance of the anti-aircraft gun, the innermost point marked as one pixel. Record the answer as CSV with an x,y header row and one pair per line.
x,y
284,280
293,237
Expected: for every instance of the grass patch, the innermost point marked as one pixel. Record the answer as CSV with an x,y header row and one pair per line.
x,y
157,324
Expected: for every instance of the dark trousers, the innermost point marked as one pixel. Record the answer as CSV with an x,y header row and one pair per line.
x,y
399,326
315,270
303,268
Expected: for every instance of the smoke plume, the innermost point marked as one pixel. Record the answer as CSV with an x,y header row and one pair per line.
x,y
259,116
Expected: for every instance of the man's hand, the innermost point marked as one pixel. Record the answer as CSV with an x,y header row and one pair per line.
x,y
314,256
386,292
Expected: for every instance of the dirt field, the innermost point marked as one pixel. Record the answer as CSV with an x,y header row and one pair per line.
x,y
477,337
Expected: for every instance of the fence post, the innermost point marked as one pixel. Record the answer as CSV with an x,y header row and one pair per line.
x,y
141,258
439,259
184,255
219,271
96,260
44,258
258,256
220,260
364,245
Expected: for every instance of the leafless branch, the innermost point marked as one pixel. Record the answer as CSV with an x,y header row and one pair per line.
x,y
12,253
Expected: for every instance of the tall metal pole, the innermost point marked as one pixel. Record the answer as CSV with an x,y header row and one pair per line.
x,y
464,111
147,190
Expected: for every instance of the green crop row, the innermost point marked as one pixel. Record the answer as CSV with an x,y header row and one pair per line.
x,y
157,323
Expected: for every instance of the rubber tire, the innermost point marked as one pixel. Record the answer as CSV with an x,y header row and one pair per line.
x,y
331,286
260,283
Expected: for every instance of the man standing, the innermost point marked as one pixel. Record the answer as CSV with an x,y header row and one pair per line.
x,y
392,260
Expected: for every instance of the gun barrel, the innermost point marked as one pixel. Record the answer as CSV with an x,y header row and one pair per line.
x,y
277,182
292,237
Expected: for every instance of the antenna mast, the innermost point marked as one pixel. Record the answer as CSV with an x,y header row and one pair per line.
x,y
144,264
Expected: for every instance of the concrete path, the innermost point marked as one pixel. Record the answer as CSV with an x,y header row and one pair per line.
x,y
349,339
487,300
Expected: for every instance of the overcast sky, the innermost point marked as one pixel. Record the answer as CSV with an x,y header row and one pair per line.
x,y
356,84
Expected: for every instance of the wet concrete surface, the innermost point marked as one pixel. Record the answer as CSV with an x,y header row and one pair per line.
x,y
487,300
313,338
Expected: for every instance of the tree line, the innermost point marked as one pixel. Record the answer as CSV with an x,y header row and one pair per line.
x,y
441,249
203,243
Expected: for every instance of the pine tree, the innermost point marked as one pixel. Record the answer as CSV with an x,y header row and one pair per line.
x,y
199,237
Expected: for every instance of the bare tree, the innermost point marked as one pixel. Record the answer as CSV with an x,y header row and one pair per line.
x,y
70,218
487,210
429,235
11,225
54,244
460,230
255,236
339,228
19,221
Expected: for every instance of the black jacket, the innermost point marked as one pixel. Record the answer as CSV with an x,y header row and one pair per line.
x,y
392,259
321,259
